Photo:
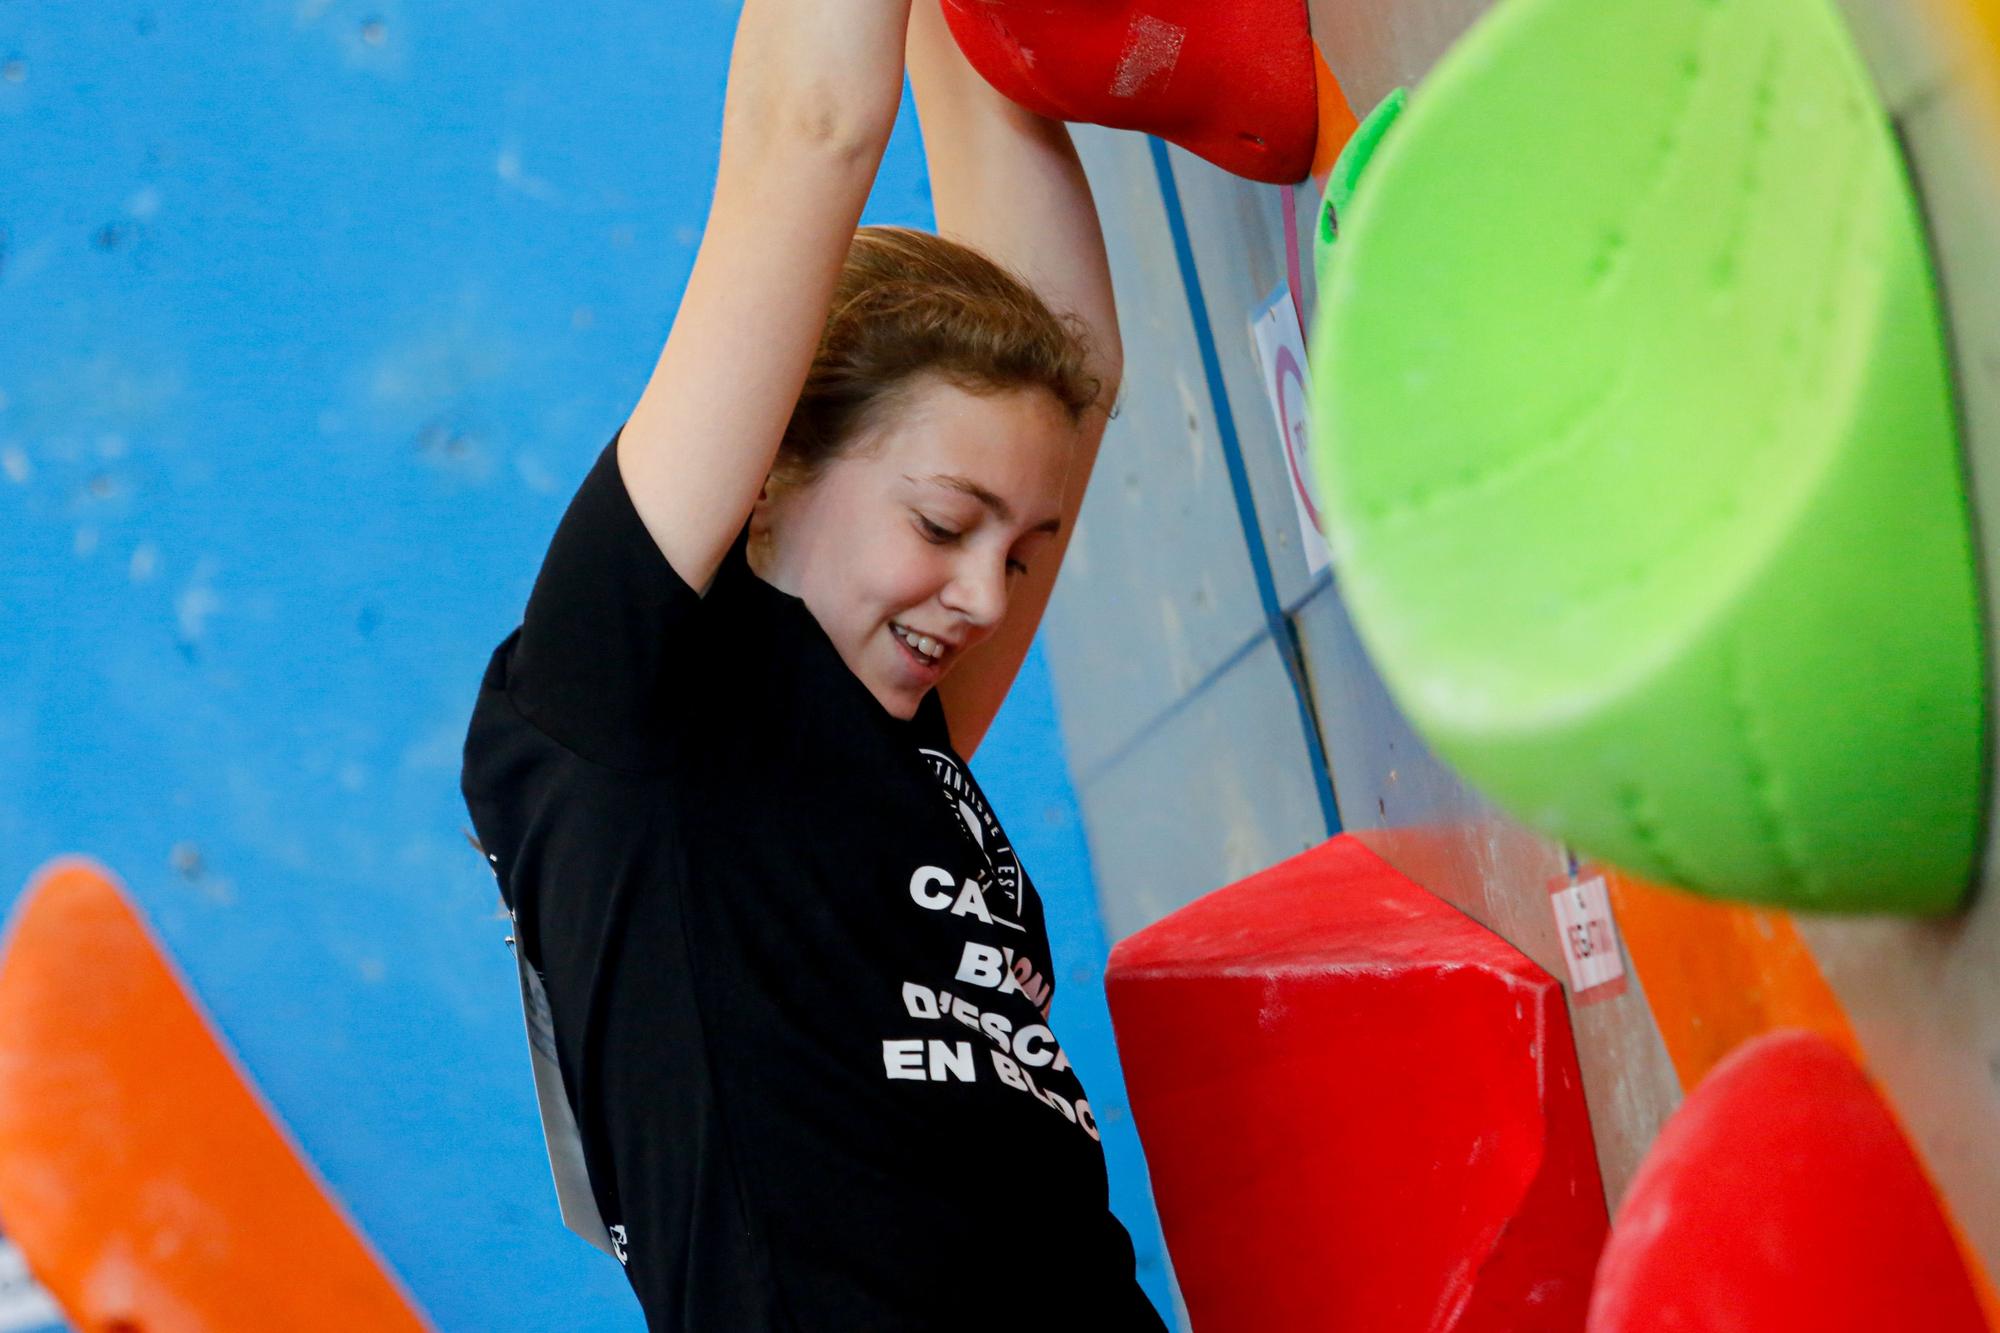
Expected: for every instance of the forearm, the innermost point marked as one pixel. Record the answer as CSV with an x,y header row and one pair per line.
x,y
807,114
818,70
1009,182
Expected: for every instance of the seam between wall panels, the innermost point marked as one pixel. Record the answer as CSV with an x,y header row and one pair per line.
x,y
1283,632
1180,705
1321,582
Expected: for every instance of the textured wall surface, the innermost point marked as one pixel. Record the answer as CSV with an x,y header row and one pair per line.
x,y
316,314
317,311
1215,686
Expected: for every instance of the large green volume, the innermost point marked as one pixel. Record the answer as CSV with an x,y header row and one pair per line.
x,y
1641,473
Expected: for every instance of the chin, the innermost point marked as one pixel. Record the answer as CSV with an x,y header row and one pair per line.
x,y
896,703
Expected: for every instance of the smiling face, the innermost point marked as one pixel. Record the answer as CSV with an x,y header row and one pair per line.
x,y
907,546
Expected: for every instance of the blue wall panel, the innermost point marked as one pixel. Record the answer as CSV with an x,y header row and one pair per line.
x,y
314,315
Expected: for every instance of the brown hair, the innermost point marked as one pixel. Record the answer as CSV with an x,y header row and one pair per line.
x,y
908,303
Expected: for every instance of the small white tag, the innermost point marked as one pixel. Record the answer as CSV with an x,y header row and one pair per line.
x,y
559,1132
1281,347
1589,935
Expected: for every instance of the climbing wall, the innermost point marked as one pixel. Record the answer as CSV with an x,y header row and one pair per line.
x,y
1224,715
331,304
316,315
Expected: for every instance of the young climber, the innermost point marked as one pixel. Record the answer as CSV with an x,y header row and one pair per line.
x,y
799,982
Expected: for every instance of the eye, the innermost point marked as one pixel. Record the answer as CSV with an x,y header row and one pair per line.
x,y
934,533
1016,567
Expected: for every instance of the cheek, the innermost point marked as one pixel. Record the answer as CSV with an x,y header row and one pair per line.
x,y
909,573
890,577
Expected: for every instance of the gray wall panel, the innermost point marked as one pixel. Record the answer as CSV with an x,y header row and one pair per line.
x,y
1157,589
1221,788
1236,232
1383,774
1376,45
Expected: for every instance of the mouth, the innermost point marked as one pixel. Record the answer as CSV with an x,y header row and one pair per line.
x,y
926,656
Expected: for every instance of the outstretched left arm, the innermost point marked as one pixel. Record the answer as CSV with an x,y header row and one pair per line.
x,y
1008,183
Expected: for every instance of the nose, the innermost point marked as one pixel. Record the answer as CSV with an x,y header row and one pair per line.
x,y
978,591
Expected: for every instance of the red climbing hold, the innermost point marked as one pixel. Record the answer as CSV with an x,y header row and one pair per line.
x,y
1360,1108
1229,80
1782,1195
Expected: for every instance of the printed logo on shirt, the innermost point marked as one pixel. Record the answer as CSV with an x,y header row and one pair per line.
x,y
1023,1058
618,1242
1004,900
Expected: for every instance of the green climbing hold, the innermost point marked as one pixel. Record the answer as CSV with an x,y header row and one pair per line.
x,y
1639,466
1346,173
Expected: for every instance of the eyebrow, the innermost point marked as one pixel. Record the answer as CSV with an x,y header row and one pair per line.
x,y
1001,509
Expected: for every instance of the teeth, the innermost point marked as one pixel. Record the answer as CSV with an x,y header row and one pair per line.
x,y
923,643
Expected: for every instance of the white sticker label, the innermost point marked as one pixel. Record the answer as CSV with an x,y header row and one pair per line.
x,y
1589,935
1282,349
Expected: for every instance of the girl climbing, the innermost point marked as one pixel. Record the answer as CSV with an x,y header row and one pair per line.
x,y
797,985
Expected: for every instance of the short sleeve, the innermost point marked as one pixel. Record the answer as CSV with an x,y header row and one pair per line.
x,y
603,658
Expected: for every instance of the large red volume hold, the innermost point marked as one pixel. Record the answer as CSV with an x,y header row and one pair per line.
x,y
1229,80
1360,1108
1782,1195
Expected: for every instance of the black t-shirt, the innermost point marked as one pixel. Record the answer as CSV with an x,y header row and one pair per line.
x,y
799,981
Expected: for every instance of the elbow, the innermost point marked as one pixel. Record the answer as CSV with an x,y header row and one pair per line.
x,y
1107,355
1110,376
1103,354
829,125
819,126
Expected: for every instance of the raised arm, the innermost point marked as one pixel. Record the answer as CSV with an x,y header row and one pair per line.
x,y
812,95
1008,183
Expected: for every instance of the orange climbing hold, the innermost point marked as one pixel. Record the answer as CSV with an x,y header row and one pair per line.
x,y
1718,974
1231,82
1337,121
140,1173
